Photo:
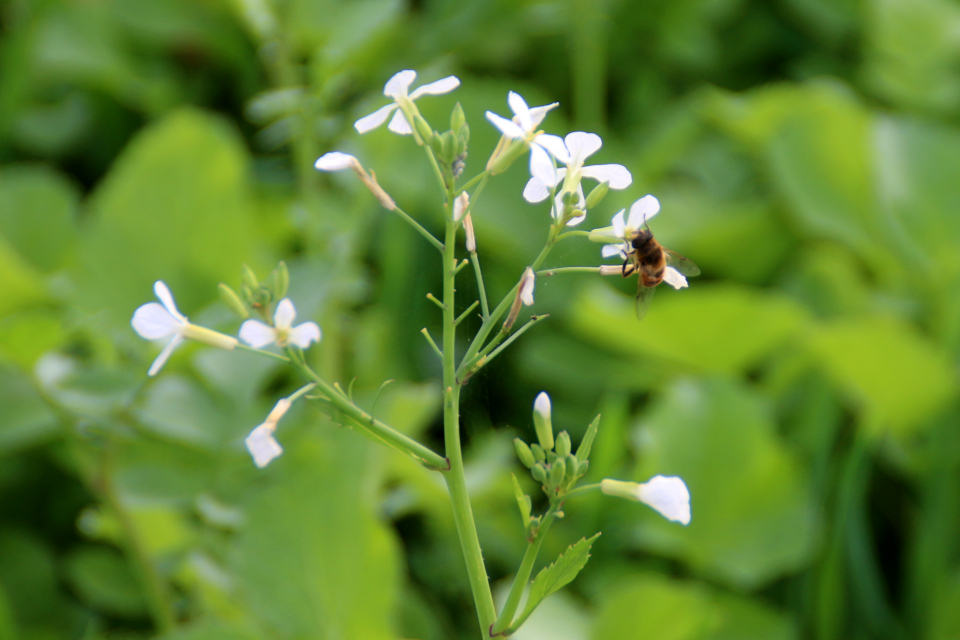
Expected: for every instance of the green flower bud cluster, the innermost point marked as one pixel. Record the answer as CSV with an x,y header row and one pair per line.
x,y
450,147
551,461
256,297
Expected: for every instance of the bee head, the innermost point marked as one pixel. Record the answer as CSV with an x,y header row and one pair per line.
x,y
640,238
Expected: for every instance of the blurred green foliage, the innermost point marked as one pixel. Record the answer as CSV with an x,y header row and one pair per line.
x,y
806,154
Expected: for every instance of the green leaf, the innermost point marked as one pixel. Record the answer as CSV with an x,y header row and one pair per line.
x,y
557,575
102,578
895,375
27,420
176,206
745,325
37,211
753,516
523,501
583,451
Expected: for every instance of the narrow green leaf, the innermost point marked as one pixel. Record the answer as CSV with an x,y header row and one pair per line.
x,y
559,574
583,451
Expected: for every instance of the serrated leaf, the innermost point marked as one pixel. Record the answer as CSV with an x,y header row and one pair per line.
x,y
523,501
559,574
583,451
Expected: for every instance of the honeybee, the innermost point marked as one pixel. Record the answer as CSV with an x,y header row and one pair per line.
x,y
654,264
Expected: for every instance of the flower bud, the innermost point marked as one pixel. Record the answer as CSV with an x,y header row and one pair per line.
x,y
539,473
563,444
542,421
282,280
249,278
524,453
538,452
557,471
457,119
507,151
233,302
448,147
464,134
573,467
471,240
597,194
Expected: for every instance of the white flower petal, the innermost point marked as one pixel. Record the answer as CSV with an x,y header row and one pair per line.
x,y
399,124
642,210
336,161
616,174
163,293
674,278
284,315
537,114
553,144
522,112
619,227
302,335
262,446
165,354
535,191
542,405
399,84
375,119
508,128
669,496
257,334
445,85
582,145
152,321
610,250
541,165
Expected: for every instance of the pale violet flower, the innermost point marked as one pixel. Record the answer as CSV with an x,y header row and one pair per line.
x,y
668,495
640,212
261,443
258,334
580,145
523,126
526,287
397,88
158,321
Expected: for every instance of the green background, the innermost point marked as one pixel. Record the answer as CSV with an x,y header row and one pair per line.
x,y
806,154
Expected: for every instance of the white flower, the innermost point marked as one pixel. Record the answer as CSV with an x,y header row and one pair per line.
x,y
523,126
397,88
337,161
668,495
580,146
155,322
640,212
257,334
261,443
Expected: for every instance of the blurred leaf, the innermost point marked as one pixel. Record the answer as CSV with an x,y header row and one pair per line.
x,y
89,391
20,284
559,574
175,207
655,608
713,327
562,617
37,211
753,517
312,560
26,336
8,627
28,576
945,616
162,530
103,579
898,377
178,409
911,52
26,419
210,630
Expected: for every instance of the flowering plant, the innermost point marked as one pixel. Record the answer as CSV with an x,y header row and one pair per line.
x,y
553,463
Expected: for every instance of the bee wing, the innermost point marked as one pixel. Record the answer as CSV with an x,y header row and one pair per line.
x,y
644,297
681,264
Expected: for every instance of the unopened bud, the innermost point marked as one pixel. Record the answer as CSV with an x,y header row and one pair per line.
x,y
471,238
524,453
457,119
542,421
557,472
538,452
597,194
507,151
448,147
539,473
283,280
423,128
563,444
249,278
233,302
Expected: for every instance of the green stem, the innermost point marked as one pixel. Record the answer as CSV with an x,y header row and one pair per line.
x,y
474,180
491,351
483,292
261,352
556,270
384,432
587,488
523,575
456,480
419,227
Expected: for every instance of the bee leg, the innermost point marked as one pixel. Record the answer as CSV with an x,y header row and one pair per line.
x,y
628,263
